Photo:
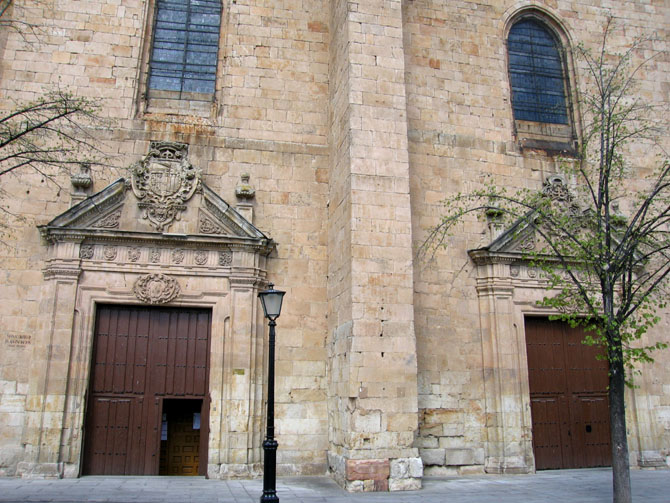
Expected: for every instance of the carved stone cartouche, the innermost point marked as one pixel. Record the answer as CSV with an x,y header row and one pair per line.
x,y
163,181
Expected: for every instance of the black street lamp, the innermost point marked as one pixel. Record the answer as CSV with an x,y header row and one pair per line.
x,y
271,301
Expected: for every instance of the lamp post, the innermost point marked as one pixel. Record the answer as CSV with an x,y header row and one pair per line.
x,y
271,301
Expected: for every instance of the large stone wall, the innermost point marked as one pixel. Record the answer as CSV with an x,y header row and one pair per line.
x,y
269,120
461,132
354,119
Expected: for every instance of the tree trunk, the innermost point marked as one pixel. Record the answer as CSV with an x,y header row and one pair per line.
x,y
620,460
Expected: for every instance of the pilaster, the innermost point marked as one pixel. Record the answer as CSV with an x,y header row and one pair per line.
x,y
373,367
50,361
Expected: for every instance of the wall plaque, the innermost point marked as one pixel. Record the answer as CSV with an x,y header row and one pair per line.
x,y
18,340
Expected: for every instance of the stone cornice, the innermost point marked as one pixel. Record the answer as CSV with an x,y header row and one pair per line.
x,y
61,273
105,236
482,256
237,281
499,288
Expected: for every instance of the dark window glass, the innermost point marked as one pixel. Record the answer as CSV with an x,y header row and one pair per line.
x,y
536,74
186,42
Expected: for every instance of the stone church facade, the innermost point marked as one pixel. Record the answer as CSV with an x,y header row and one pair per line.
x,y
307,143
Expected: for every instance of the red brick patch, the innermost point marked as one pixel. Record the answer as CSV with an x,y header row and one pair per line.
x,y
369,469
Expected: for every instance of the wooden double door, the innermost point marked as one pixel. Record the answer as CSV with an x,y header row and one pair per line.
x,y
147,411
568,395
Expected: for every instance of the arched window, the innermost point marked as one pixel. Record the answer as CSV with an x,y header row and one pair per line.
x,y
536,73
185,47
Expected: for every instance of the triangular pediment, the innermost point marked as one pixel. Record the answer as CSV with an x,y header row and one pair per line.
x,y
512,245
524,240
515,242
163,200
115,213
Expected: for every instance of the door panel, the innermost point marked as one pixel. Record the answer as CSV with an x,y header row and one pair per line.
x,y
111,421
592,429
140,356
568,394
547,431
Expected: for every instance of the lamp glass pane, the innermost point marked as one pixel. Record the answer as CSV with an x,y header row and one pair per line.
x,y
272,303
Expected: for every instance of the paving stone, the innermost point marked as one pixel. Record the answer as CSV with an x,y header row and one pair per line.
x,y
559,486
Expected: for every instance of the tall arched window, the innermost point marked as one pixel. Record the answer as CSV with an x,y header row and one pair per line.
x,y
536,73
185,47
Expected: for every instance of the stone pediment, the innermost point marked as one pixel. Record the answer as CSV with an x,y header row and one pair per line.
x,y
510,245
113,215
163,200
514,243
116,214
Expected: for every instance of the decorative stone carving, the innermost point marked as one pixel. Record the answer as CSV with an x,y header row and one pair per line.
x,y
163,181
155,256
532,272
81,182
177,256
134,253
109,252
201,257
244,190
156,288
208,226
225,258
527,243
111,221
556,188
86,251
514,271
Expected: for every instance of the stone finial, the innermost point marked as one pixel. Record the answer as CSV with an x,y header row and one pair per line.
x,y
81,182
244,190
245,195
495,223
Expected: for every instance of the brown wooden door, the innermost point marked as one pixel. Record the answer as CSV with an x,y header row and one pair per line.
x,y
140,357
568,395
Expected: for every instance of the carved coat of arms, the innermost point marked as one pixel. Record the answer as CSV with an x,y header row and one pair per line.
x,y
156,288
163,181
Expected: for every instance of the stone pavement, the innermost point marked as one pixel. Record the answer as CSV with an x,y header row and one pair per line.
x,y
561,486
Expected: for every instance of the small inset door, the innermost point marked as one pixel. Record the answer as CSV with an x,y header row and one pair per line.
x,y
568,397
181,436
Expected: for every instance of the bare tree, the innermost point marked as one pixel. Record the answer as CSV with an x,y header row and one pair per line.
x,y
604,245
50,134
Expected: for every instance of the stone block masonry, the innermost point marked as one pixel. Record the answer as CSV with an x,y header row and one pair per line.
x,y
353,119
373,396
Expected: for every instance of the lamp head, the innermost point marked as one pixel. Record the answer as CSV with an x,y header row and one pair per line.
x,y
271,300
